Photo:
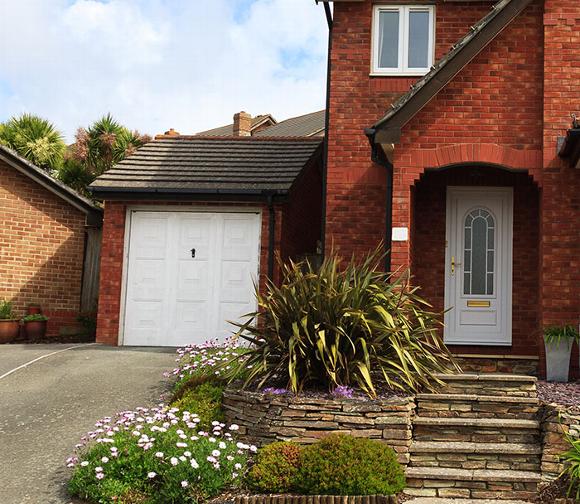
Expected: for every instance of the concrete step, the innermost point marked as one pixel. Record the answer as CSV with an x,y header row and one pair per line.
x,y
476,448
476,430
477,406
471,483
489,384
504,456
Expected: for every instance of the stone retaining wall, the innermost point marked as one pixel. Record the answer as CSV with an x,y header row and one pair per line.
x,y
556,423
264,418
317,499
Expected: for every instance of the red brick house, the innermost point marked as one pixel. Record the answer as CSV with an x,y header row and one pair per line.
x,y
446,121
44,231
449,139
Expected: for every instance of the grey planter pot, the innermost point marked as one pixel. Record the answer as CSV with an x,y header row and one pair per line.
x,y
316,499
558,360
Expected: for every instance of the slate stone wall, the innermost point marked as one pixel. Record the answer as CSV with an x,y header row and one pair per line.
x,y
264,418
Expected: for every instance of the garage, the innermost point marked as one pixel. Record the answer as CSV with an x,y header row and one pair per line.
x,y
188,273
190,223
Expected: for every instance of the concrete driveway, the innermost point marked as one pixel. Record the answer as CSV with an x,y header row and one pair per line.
x,y
47,405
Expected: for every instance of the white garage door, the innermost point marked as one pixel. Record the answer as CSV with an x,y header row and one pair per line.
x,y
188,274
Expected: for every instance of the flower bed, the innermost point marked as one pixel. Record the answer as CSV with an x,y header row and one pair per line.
x,y
265,417
157,454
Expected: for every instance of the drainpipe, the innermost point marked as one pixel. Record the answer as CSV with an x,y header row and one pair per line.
x,y
326,125
271,236
378,156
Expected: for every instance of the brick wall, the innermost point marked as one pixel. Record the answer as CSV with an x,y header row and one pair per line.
x,y
41,249
560,205
302,215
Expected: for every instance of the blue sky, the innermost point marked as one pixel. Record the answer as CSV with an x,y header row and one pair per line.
x,y
157,64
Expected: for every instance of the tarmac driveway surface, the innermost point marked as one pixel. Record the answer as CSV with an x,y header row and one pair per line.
x,y
46,406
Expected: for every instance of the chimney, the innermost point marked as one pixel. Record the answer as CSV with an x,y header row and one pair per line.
x,y
242,124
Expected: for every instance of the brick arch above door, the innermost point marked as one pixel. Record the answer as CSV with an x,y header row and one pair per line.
x,y
501,156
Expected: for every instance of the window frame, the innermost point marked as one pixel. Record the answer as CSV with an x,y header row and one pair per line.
x,y
403,53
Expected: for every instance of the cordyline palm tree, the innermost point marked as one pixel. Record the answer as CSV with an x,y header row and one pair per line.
x,y
34,138
105,143
96,150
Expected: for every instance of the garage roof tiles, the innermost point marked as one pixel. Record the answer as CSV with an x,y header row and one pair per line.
x,y
196,165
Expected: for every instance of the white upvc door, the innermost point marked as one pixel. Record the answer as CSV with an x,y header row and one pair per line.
x,y
188,275
478,271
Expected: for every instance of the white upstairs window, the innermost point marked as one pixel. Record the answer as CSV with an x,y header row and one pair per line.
x,y
403,39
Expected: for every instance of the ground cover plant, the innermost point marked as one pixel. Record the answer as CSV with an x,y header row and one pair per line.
x,y
571,472
335,465
182,453
158,456
343,325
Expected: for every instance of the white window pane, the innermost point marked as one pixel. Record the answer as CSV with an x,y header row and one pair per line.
x,y
418,39
388,39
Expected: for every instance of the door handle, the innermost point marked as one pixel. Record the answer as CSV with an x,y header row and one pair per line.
x,y
453,264
193,253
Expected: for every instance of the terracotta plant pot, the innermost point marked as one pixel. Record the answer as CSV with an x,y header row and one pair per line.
x,y
33,309
35,329
9,329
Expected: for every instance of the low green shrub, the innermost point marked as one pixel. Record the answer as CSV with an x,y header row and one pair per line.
x,y
276,468
205,399
157,456
345,465
343,325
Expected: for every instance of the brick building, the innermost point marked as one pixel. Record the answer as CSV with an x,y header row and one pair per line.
x,y
43,235
465,109
449,140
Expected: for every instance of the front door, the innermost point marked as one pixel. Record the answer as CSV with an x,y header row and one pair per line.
x,y
478,272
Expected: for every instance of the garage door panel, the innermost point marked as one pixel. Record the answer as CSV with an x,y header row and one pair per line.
x,y
236,282
193,282
144,323
196,233
231,312
239,238
149,236
191,321
148,280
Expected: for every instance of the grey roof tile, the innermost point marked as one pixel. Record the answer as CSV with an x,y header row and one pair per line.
x,y
211,165
302,126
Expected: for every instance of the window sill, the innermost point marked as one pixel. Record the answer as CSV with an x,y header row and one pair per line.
x,y
399,74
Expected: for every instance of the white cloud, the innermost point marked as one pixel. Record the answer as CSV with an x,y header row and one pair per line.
x,y
155,64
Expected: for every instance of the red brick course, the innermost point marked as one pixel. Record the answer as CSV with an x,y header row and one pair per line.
x,y
41,249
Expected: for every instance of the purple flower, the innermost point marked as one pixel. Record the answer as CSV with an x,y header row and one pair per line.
x,y
275,391
343,391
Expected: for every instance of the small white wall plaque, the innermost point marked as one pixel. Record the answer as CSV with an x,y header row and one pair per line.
x,y
400,234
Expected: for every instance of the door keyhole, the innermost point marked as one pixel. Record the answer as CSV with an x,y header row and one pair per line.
x,y
193,253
